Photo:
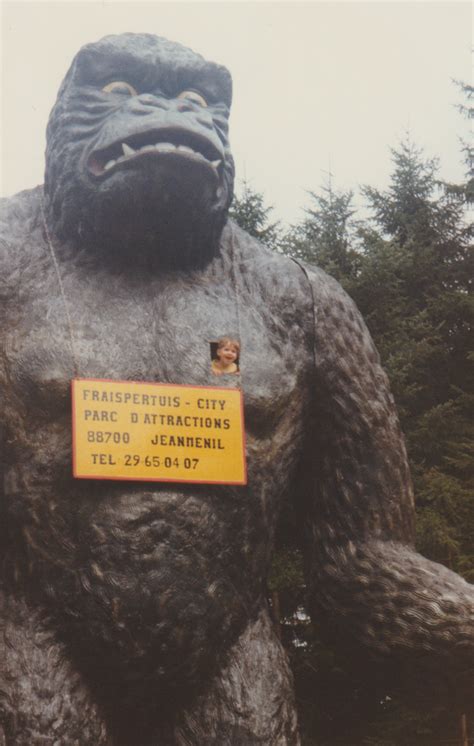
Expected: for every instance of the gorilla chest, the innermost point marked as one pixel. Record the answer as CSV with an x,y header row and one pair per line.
x,y
151,330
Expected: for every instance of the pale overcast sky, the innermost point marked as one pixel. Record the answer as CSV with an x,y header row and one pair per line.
x,y
317,85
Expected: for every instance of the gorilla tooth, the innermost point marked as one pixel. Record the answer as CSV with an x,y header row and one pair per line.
x,y
165,147
186,149
146,147
217,163
109,164
127,150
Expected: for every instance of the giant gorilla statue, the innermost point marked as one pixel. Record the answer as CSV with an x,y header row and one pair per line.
x,y
135,612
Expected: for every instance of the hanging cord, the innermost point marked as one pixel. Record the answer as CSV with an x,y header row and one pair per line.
x,y
236,294
313,303
63,295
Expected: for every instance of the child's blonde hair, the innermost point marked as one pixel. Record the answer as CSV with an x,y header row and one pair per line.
x,y
223,341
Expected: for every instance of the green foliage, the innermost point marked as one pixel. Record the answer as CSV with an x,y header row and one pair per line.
x,y
327,235
286,571
415,290
251,214
406,210
467,110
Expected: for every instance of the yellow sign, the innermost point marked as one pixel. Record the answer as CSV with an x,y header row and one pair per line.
x,y
157,432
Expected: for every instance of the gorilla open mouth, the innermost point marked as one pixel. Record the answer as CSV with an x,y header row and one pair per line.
x,y
162,142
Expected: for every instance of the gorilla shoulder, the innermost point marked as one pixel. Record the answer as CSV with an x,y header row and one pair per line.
x,y
289,284
20,235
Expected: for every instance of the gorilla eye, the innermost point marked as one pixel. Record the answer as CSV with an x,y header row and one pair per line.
x,y
193,96
120,86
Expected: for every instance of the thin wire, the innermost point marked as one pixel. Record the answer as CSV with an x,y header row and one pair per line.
x,y
236,293
313,301
63,295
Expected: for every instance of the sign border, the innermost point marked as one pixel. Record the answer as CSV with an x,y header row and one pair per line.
x,y
155,479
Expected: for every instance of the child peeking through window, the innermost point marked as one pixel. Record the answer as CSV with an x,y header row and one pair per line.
x,y
227,357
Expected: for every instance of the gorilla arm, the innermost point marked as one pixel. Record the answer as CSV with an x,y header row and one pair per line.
x,y
367,583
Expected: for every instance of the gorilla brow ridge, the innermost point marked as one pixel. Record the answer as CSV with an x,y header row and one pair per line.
x,y
168,67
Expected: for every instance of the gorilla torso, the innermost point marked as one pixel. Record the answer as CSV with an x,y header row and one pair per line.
x,y
155,580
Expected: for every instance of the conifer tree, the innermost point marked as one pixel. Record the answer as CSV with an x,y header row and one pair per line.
x,y
327,235
250,213
467,111
415,290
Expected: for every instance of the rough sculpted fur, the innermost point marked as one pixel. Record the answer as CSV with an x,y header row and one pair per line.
x,y
135,612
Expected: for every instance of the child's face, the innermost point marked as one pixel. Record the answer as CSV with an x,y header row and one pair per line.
x,y
228,353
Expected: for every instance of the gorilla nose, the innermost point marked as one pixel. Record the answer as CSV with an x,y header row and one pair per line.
x,y
148,99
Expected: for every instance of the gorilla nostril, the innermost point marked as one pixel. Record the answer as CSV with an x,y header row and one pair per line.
x,y
183,106
205,122
149,100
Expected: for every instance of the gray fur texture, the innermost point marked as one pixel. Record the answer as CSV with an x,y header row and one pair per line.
x,y
139,608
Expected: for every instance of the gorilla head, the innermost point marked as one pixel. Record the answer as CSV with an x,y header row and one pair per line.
x,y
137,159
